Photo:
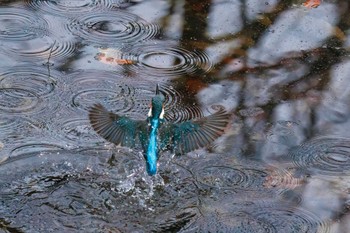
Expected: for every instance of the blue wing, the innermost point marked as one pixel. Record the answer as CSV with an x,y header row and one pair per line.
x,y
117,129
194,134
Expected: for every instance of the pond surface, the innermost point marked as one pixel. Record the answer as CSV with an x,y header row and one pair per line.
x,y
281,68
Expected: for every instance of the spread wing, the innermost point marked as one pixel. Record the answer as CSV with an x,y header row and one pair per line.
x,y
194,134
117,129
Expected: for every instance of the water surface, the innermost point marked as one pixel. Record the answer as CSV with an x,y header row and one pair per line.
x,y
279,67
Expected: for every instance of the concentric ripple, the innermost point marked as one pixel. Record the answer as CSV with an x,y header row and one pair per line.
x,y
282,218
70,8
17,24
112,28
77,131
175,109
324,155
17,100
24,88
94,87
34,80
237,177
7,125
127,96
166,59
252,216
237,221
284,179
41,49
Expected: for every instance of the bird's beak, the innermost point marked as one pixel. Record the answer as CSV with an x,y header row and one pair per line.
x,y
157,89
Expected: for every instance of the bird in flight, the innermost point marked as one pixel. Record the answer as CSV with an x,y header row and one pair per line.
x,y
155,134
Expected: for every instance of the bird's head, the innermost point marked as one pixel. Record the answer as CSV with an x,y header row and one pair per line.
x,y
157,105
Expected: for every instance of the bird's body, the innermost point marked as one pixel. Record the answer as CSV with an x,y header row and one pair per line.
x,y
152,148
155,134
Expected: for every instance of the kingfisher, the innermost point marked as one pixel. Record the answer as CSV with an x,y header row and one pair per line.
x,y
155,134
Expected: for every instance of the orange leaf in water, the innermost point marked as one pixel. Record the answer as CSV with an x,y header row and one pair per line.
x,y
123,61
112,56
312,3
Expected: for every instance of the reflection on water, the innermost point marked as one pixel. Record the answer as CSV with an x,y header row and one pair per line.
x,y
279,67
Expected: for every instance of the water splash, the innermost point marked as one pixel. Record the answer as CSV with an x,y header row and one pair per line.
x,y
112,28
63,188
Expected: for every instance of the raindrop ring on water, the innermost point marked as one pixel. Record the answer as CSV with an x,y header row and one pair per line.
x,y
25,89
37,81
87,90
324,155
284,218
17,24
17,100
175,109
232,177
127,96
166,59
41,49
112,28
69,7
77,131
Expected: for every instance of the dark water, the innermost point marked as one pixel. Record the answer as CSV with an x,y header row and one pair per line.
x,y
281,68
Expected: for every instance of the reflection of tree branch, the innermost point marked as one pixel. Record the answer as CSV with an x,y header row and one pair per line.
x,y
195,20
251,32
317,62
49,57
194,30
165,22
